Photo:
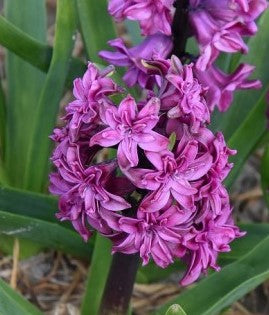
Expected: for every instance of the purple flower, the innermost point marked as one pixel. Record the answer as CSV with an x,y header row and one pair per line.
x,y
221,85
94,86
173,176
83,189
158,235
204,247
220,25
153,15
181,94
154,46
116,8
129,129
190,94
180,208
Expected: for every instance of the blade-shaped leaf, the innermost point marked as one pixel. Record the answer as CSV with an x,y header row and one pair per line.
x,y
97,276
24,85
265,175
33,51
13,303
37,164
38,211
35,205
3,178
96,25
2,121
47,234
246,137
221,289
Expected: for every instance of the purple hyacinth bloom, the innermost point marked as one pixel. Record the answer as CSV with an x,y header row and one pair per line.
x,y
153,15
173,176
130,129
207,243
220,25
181,94
83,189
156,46
88,90
116,8
158,235
220,86
181,208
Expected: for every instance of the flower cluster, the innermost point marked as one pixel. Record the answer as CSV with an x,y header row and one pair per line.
x,y
218,26
161,198
162,194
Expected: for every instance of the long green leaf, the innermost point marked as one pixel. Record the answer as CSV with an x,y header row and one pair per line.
x,y
24,85
35,205
221,289
245,138
12,303
33,51
96,25
2,121
265,175
37,164
244,101
47,234
37,209
97,276
25,46
2,134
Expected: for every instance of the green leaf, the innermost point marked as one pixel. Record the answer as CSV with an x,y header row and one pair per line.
x,y
3,179
34,205
244,101
245,138
47,234
38,211
96,25
220,290
265,175
13,303
37,164
33,51
24,85
2,121
175,310
25,46
100,264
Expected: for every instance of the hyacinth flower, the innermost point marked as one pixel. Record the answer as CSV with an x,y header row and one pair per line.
x,y
162,195
156,46
219,26
129,129
177,187
88,90
221,85
153,15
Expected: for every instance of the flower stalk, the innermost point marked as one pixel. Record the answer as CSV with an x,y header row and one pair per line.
x,y
119,285
180,29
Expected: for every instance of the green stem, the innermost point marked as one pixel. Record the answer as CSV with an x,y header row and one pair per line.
x,y
97,276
